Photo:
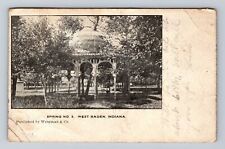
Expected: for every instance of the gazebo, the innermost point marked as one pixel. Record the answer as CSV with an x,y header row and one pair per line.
x,y
87,46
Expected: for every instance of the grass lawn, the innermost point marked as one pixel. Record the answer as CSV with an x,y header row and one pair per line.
x,y
65,100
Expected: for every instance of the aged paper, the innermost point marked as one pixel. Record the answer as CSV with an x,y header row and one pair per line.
x,y
112,75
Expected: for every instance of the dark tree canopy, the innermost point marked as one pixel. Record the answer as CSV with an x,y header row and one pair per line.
x,y
140,39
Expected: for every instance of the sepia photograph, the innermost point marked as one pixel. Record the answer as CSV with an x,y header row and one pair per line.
x,y
86,61
112,75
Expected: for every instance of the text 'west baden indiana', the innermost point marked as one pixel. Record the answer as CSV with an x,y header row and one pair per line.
x,y
101,116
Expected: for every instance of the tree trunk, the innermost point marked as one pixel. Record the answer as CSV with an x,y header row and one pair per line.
x,y
57,88
82,86
159,81
49,88
96,24
13,87
55,84
88,86
146,87
125,81
44,91
45,88
78,86
69,78
52,85
69,87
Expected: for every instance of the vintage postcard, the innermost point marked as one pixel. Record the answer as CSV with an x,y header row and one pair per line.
x,y
112,75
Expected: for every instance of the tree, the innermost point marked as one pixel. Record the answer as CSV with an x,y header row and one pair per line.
x,y
122,27
95,20
40,43
148,48
105,77
67,26
70,24
19,54
41,47
86,69
140,38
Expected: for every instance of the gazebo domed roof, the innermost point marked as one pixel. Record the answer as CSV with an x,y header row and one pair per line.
x,y
87,41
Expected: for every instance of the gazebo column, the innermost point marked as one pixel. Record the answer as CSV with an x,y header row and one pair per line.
x,y
114,79
94,73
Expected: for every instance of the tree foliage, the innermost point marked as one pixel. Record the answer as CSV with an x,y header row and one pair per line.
x,y
40,47
140,39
